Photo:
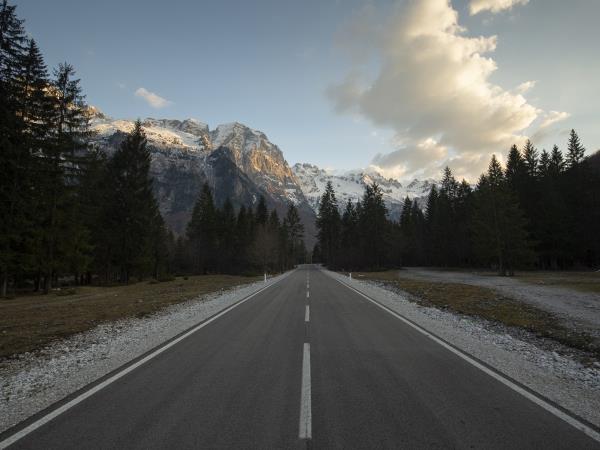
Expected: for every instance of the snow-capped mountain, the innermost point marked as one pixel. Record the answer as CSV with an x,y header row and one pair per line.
x,y
240,163
351,185
237,162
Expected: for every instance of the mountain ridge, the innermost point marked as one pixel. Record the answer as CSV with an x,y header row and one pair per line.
x,y
241,163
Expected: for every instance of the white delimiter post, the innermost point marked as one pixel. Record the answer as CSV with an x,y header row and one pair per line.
x,y
350,275
265,277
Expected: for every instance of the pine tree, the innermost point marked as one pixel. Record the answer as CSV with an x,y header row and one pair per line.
x,y
530,159
295,232
498,223
515,169
131,212
67,124
575,151
557,164
243,237
12,42
407,233
328,226
266,240
226,230
373,227
262,212
350,239
15,160
463,216
202,232
431,226
544,164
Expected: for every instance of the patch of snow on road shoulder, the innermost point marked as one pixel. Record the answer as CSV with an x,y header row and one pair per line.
x,y
558,378
35,381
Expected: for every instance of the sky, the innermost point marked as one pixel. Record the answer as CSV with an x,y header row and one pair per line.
x,y
405,87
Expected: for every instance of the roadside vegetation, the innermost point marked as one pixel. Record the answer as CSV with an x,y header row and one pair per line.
x,y
487,304
28,323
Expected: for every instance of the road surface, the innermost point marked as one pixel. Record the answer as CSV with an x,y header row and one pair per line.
x,y
306,363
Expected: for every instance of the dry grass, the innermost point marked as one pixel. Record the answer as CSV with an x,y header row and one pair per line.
x,y
580,281
487,304
30,322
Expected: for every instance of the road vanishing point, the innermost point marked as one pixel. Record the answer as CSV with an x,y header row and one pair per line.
x,y
306,362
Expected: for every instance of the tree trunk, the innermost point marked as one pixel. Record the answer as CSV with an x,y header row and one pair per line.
x,y
47,283
4,288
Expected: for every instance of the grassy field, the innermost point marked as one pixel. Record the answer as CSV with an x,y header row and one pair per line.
x,y
30,322
485,303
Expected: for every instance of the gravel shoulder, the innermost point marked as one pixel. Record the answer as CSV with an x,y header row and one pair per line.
x,y
579,310
34,381
553,372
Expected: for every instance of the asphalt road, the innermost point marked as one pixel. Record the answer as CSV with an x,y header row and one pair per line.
x,y
272,374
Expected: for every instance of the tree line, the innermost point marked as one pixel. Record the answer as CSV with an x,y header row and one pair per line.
x,y
253,240
540,211
69,213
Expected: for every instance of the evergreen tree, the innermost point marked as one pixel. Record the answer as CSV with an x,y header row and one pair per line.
x,y
530,159
462,238
202,232
295,232
432,231
58,175
266,241
515,169
131,212
557,164
226,230
262,212
407,233
15,160
243,237
575,151
350,238
328,226
544,164
498,223
373,227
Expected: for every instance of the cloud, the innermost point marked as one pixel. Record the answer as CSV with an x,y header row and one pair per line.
x,y
494,6
433,85
418,160
525,87
552,117
546,128
154,100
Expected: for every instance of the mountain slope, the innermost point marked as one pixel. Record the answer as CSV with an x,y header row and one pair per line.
x,y
237,162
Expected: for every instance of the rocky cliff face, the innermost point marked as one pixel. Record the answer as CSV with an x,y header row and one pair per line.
x,y
237,162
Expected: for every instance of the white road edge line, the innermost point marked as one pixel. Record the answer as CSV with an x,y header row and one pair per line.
x,y
305,406
515,387
307,314
57,412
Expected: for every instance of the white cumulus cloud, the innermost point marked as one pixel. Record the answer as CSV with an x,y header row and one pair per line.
x,y
433,88
154,100
494,6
